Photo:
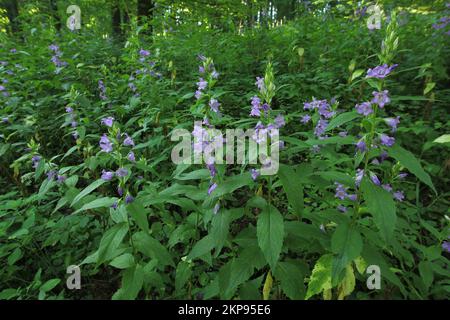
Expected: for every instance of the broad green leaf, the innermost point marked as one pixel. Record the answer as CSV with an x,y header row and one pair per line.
x,y
347,285
97,203
139,214
202,247
267,286
291,278
123,261
49,285
409,161
347,244
341,119
381,206
270,234
357,73
152,248
429,87
182,275
111,241
291,185
443,139
94,185
233,274
132,281
320,279
426,273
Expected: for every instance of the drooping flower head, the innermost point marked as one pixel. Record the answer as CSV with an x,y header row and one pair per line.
x,y
122,172
108,121
359,176
107,175
131,156
341,191
386,140
214,105
393,123
364,108
399,195
105,144
380,72
305,119
361,146
254,173
212,188
128,141
381,98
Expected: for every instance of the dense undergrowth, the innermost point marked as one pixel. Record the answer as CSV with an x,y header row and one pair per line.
x,y
87,177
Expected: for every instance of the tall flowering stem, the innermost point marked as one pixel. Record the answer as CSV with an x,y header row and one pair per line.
x,y
208,108
374,138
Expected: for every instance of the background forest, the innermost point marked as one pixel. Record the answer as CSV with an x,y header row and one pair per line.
x,y
90,98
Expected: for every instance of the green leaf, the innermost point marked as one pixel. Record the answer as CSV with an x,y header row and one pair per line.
x,y
8,294
294,190
111,241
49,285
152,248
429,87
139,214
347,285
320,279
426,272
341,119
132,281
409,161
291,278
123,261
97,203
202,247
270,234
381,206
94,185
233,274
182,275
357,73
347,244
15,256
443,139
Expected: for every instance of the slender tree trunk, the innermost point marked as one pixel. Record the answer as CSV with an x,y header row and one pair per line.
x,y
120,19
12,11
145,12
54,13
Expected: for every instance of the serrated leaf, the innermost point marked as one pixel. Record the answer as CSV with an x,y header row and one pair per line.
x,y
320,279
347,285
94,185
291,279
341,119
409,161
294,190
347,244
382,207
267,286
49,285
139,214
152,248
123,261
443,139
111,241
270,234
97,203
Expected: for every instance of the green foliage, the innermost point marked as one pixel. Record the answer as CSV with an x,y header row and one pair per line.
x,y
76,191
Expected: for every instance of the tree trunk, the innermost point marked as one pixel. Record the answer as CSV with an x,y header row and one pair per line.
x,y
145,12
54,13
12,11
